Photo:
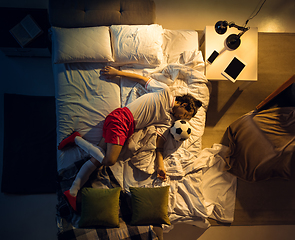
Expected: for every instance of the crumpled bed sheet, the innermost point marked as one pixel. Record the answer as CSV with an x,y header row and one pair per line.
x,y
182,79
200,188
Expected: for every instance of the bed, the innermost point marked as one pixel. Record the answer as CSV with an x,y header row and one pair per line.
x,y
262,142
88,35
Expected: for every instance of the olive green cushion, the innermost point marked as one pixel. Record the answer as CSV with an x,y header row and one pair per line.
x,y
149,205
100,207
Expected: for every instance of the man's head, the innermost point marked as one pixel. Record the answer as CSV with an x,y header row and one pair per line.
x,y
185,107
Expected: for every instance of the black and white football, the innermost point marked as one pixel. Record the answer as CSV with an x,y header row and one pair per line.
x,y
181,130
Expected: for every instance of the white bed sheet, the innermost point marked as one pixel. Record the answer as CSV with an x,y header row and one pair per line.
x,y
83,100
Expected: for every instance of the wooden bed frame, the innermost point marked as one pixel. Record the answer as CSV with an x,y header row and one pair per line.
x,y
275,94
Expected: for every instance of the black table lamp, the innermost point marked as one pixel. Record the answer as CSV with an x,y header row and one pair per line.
x,y
233,41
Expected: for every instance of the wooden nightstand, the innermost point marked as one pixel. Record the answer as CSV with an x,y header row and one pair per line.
x,y
247,52
39,47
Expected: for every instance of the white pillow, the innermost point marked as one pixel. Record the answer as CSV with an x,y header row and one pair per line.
x,y
92,44
176,42
137,44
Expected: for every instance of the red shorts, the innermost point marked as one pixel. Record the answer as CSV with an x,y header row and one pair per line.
x,y
119,125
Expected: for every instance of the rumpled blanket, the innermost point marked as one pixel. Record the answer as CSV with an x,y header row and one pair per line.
x,y
184,78
142,146
199,186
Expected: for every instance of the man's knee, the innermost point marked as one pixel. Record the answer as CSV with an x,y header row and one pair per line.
x,y
112,154
109,161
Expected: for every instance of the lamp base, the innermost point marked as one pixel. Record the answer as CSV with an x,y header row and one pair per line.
x,y
233,41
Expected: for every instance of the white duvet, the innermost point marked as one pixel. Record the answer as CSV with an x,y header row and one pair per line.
x,y
199,188
181,79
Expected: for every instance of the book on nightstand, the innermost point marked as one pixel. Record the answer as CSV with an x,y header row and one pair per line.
x,y
26,31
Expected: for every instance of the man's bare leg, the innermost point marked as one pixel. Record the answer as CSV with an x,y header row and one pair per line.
x,y
112,153
103,144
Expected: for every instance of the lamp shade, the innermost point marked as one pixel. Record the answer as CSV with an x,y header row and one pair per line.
x,y
221,27
233,41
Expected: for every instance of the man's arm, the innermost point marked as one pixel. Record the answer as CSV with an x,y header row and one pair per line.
x,y
161,173
110,72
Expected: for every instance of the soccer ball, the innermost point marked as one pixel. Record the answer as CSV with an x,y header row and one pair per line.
x,y
180,130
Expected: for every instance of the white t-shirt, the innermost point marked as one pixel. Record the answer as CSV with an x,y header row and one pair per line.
x,y
153,108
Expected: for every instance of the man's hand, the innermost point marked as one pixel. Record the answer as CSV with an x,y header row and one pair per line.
x,y
161,174
110,72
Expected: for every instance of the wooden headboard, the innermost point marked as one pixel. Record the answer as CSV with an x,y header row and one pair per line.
x,y
89,13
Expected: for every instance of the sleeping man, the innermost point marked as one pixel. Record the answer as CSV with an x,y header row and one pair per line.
x,y
158,107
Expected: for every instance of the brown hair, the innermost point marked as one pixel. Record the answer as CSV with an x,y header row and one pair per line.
x,y
192,103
